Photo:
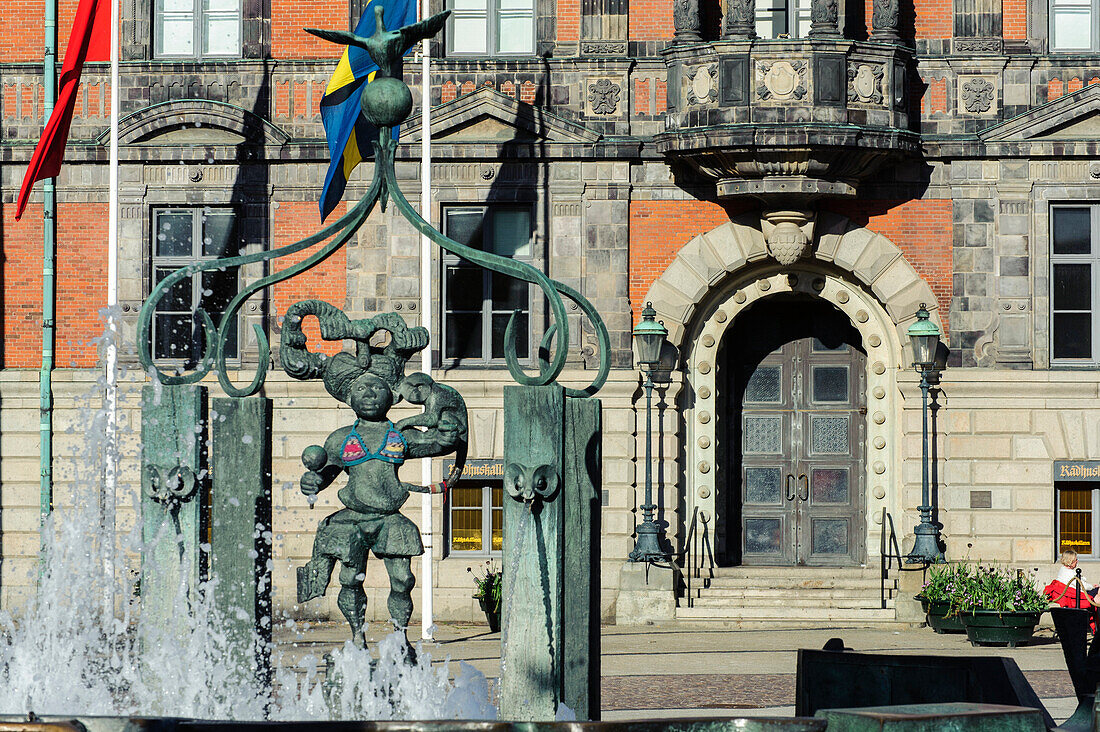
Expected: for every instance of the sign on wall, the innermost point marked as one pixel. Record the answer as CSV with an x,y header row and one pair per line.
x,y
1069,470
477,468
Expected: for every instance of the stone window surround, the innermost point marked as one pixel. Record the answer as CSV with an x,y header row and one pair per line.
x,y
882,481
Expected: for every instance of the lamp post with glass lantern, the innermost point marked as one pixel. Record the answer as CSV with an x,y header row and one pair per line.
x,y
649,338
924,336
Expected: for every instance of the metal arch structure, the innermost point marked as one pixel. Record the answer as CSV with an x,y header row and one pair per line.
x,y
383,189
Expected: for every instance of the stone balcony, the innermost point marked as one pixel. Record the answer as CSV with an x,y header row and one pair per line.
x,y
790,120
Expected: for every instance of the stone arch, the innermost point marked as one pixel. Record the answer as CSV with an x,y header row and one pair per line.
x,y
196,121
871,259
721,273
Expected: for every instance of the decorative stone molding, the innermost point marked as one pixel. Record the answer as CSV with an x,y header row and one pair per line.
x,y
884,20
603,96
823,19
993,46
977,94
702,84
781,80
865,83
603,48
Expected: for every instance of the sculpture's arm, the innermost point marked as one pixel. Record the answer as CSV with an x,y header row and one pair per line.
x,y
424,444
321,475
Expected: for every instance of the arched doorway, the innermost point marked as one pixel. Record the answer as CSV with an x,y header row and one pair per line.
x,y
791,434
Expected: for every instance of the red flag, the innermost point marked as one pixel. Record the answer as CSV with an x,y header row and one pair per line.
x,y
90,40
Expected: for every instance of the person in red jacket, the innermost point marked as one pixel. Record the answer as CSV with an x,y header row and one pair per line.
x,y
1069,589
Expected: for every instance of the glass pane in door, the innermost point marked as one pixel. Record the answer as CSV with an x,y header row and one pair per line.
x,y
763,485
830,536
829,485
762,535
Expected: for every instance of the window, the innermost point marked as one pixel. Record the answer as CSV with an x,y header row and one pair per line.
x,y
1073,25
1074,262
183,236
1076,527
477,302
491,27
197,28
782,18
477,516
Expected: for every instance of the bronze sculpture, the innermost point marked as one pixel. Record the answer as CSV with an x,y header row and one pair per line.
x,y
370,451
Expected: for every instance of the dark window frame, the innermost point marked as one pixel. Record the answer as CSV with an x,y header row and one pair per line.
x,y
1092,260
170,263
788,11
1094,27
1094,508
487,311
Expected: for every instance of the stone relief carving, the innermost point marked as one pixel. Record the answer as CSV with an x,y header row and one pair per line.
x,y
978,45
782,80
787,235
702,86
977,95
603,95
685,17
823,12
884,15
865,83
596,48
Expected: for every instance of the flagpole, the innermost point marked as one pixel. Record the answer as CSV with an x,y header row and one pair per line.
x,y
426,612
49,288
110,474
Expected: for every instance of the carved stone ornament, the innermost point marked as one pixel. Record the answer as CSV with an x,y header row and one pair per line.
x,y
783,80
702,86
603,48
739,21
786,240
865,84
685,18
884,16
977,95
823,14
603,95
978,45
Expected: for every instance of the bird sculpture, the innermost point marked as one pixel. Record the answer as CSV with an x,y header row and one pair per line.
x,y
386,47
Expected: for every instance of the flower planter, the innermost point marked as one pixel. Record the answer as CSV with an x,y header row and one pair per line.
x,y
985,627
938,620
492,615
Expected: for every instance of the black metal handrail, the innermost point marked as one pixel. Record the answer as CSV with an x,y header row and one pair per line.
x,y
888,552
696,548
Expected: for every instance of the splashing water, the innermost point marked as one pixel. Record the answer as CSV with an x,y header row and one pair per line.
x,y
79,645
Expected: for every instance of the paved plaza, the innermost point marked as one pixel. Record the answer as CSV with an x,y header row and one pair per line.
x,y
705,671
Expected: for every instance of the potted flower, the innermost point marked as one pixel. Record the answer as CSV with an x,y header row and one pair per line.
x,y
488,593
1000,605
943,596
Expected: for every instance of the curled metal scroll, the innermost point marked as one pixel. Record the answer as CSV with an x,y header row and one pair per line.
x,y
383,188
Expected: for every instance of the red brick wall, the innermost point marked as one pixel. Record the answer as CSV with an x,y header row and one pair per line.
x,y
650,20
327,281
658,229
921,229
569,20
81,284
1014,19
288,17
22,31
931,18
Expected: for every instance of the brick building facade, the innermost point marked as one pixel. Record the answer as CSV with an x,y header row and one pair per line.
x,y
800,174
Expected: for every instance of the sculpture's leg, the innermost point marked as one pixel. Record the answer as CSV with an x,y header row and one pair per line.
x,y
314,576
400,601
352,601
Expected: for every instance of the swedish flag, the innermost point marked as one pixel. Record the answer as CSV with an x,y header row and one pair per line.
x,y
349,134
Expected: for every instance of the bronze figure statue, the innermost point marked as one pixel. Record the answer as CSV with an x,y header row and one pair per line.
x,y
370,451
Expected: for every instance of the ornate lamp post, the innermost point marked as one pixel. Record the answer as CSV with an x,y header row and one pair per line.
x,y
649,336
924,336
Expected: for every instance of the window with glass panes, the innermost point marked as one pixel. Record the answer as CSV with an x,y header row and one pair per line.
x,y
782,18
1077,503
476,516
183,236
491,27
196,28
1074,282
1074,26
477,302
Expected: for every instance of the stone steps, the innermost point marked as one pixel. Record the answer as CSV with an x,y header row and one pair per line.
x,y
813,595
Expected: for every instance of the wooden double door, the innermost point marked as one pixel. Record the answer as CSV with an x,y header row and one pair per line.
x,y
795,493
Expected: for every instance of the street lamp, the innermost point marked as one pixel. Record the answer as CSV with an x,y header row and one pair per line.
x,y
649,338
924,336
